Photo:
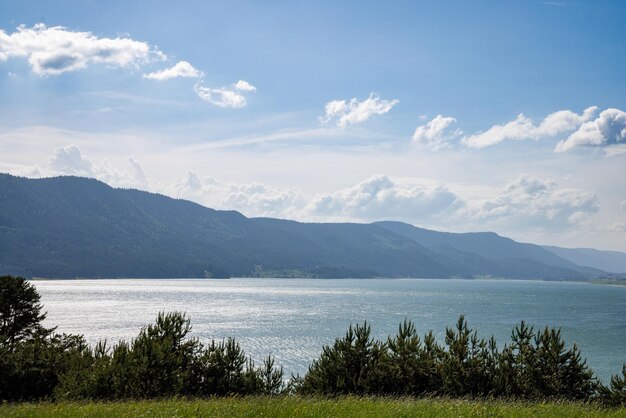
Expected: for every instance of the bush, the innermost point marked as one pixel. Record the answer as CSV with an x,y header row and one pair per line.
x,y
533,366
33,368
350,366
468,365
539,366
32,359
615,394
161,362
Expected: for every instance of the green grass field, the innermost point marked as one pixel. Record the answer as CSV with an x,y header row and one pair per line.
x,y
307,407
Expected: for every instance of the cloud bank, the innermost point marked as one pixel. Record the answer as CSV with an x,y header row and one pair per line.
x,y
582,130
534,203
354,111
609,128
56,50
379,197
524,205
69,160
523,128
251,198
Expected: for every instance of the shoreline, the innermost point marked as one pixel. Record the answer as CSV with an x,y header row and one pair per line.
x,y
618,282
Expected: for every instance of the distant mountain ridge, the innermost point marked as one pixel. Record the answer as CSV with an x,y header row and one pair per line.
x,y
611,261
66,227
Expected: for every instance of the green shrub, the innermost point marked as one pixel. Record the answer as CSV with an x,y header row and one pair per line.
x,y
350,366
533,366
615,394
539,366
162,361
20,312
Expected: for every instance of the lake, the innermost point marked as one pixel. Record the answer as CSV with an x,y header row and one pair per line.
x,y
293,318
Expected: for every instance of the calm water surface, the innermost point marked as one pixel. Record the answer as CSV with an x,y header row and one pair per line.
x,y
292,319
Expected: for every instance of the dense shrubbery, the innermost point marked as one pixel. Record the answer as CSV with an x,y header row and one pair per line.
x,y
161,361
36,363
533,366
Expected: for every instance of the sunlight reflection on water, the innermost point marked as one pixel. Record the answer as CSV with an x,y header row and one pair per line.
x,y
293,318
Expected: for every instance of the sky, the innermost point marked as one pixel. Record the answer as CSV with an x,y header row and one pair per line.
x,y
457,116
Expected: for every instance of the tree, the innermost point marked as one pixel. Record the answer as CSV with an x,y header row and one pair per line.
x,y
31,358
350,366
538,365
412,364
160,357
20,311
615,395
468,365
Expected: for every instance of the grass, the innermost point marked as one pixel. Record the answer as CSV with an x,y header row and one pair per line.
x,y
308,407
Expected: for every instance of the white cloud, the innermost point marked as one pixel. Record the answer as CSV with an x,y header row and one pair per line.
x,y
609,128
528,208
138,176
435,134
534,203
69,160
253,199
522,128
373,199
55,50
21,170
226,96
181,69
516,129
354,111
221,97
243,85
380,198
562,121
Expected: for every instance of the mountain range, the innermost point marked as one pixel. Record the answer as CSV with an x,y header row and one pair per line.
x,y
68,227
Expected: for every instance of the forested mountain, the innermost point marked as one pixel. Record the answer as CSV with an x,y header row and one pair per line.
x,y
487,253
612,261
79,227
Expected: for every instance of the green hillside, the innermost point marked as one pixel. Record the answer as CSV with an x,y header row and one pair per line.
x,y
69,227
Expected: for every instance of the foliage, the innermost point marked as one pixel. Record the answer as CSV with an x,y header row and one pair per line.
x,y
348,367
467,366
31,357
20,311
33,368
533,366
537,365
615,394
409,367
162,361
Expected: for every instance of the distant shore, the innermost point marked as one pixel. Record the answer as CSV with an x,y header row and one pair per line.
x,y
611,281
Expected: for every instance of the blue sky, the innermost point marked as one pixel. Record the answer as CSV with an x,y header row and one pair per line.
x,y
504,116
